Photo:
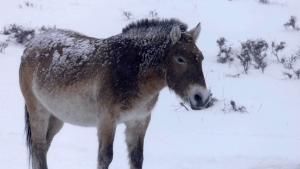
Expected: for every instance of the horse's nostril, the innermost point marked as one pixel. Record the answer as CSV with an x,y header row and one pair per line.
x,y
197,98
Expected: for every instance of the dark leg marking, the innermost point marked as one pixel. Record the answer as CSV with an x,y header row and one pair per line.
x,y
105,156
136,155
135,134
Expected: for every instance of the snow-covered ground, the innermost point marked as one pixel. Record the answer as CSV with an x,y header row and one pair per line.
x,y
266,137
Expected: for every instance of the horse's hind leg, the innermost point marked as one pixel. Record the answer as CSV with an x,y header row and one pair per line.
x,y
37,128
54,127
41,128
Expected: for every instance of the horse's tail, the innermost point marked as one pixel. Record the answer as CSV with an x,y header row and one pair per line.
x,y
28,134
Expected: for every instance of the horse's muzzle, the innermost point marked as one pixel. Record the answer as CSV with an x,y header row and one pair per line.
x,y
197,102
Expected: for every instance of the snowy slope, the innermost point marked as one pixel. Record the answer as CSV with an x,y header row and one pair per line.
x,y
266,137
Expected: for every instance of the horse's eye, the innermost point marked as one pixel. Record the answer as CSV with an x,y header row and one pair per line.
x,y
180,60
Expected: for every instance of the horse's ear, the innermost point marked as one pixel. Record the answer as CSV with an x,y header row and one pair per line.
x,y
175,34
195,32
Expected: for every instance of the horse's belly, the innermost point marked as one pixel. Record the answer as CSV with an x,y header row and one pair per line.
x,y
74,111
70,108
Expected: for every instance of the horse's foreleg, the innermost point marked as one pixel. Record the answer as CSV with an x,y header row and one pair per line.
x,y
135,133
106,132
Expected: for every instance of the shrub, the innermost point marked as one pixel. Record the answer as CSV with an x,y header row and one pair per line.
x,y
288,63
253,52
19,33
26,4
297,73
3,46
241,109
245,60
292,23
276,48
298,54
264,1
153,14
225,52
128,15
232,106
289,75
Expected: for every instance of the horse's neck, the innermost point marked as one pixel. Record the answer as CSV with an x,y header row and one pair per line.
x,y
152,81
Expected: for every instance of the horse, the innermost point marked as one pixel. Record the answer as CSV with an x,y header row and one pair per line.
x,y
69,77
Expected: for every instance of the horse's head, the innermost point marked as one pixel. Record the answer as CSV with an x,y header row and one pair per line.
x,y
184,68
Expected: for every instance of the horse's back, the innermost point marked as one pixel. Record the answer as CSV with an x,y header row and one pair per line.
x,y
58,72
60,55
63,47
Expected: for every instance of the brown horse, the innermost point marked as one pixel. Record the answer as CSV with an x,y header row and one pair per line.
x,y
69,77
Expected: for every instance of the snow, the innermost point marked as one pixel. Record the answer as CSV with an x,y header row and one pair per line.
x,y
266,137
52,38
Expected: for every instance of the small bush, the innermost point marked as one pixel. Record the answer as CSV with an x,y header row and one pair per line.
x,y
294,73
253,52
292,23
297,73
289,75
128,15
3,46
298,54
232,106
288,63
264,1
241,109
245,60
26,4
153,14
225,52
276,48
19,33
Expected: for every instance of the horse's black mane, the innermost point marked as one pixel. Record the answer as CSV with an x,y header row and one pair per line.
x,y
164,25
